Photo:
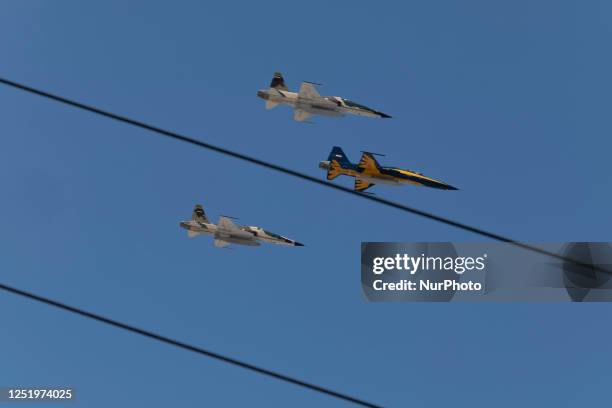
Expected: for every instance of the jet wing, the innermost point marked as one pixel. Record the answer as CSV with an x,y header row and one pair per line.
x,y
219,243
369,164
228,225
308,91
361,184
301,115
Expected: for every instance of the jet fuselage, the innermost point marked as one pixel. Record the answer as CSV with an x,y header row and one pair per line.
x,y
244,235
324,105
369,172
388,175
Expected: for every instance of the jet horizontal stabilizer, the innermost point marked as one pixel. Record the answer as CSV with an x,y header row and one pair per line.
x,y
333,170
271,104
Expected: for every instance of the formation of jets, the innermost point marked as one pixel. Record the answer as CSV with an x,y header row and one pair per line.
x,y
368,172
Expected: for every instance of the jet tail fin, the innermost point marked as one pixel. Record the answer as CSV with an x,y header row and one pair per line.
x,y
338,155
278,82
199,214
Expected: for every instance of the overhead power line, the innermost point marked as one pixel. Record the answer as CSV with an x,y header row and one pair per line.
x,y
186,346
263,163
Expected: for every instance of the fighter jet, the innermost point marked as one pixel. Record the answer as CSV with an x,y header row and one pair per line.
x,y
226,232
308,102
368,172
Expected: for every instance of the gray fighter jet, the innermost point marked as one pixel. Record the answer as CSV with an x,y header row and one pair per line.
x,y
226,232
308,101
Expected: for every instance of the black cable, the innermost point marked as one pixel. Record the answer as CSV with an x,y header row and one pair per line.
x,y
303,176
186,346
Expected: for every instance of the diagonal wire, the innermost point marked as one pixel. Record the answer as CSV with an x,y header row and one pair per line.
x,y
262,163
186,346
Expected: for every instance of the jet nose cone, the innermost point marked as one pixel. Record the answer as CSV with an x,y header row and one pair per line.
x,y
384,115
440,185
262,94
298,244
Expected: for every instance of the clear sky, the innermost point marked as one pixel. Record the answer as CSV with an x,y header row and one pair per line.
x,y
509,101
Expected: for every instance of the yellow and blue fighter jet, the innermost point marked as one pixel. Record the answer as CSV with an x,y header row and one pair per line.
x,y
368,172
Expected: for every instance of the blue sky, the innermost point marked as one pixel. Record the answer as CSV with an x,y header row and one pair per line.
x,y
508,101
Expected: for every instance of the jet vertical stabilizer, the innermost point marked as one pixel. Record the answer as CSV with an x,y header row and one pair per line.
x,y
338,155
199,214
336,164
278,82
